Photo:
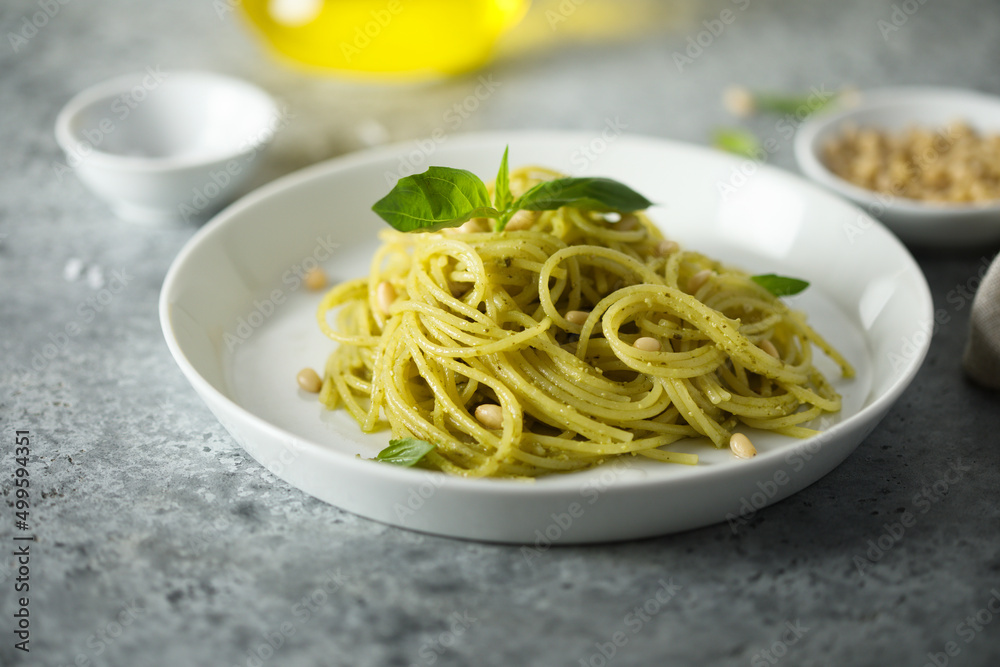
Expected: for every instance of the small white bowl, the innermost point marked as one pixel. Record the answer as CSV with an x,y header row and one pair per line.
x,y
166,147
894,110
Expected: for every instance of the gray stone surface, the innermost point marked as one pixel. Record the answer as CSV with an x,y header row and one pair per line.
x,y
160,543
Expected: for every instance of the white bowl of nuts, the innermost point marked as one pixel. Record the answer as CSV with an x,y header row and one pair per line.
x,y
925,161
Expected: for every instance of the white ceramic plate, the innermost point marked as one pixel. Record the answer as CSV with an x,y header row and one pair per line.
x,y
895,110
240,326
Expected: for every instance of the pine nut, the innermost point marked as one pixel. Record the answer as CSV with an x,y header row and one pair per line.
x,y
647,344
951,164
738,101
741,446
309,380
521,220
490,415
385,294
769,347
577,316
628,223
697,280
315,279
664,248
473,226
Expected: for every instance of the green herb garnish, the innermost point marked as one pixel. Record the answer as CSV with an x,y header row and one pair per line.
x,y
743,102
792,104
780,285
737,140
440,197
502,196
597,194
446,197
406,452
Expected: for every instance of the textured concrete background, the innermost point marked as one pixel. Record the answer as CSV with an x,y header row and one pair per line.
x,y
160,543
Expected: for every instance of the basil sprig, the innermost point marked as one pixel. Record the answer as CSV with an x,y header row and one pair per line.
x,y
406,452
780,285
446,197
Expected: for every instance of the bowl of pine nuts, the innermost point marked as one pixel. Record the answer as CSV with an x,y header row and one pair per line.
x,y
924,161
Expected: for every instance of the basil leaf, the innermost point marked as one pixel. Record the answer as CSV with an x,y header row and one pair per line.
x,y
737,141
406,452
440,197
602,194
780,285
501,188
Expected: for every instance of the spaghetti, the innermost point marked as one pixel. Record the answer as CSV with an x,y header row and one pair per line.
x,y
543,321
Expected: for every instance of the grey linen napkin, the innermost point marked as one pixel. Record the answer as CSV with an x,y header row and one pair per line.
x,y
982,352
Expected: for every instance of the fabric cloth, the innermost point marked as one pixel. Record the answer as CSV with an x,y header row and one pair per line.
x,y
982,352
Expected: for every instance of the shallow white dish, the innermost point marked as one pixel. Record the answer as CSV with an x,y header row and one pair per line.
x,y
240,326
894,110
165,147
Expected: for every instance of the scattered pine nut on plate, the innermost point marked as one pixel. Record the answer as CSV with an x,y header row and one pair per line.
x,y
741,446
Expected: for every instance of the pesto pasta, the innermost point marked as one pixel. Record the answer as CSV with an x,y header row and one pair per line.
x,y
570,338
